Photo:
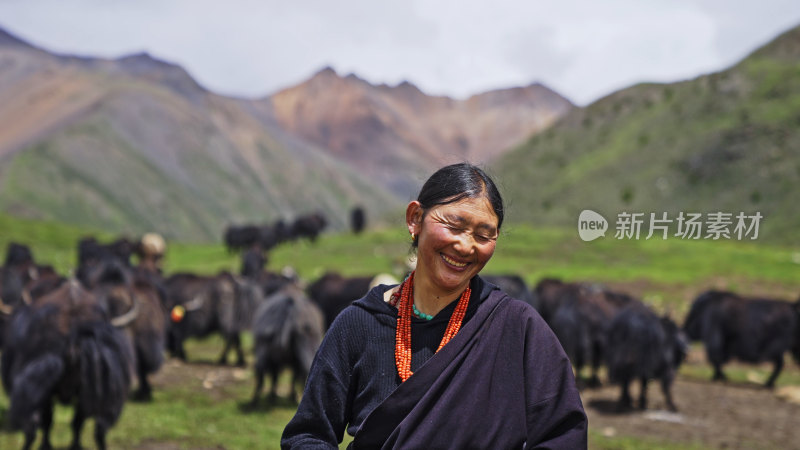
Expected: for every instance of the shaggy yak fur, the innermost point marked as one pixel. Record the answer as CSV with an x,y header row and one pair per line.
x,y
644,346
135,306
211,304
580,315
287,329
63,346
751,330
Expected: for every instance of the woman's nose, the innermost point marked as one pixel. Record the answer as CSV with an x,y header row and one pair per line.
x,y
465,243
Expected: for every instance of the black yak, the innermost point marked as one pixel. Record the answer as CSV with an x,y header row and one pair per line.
x,y
202,305
12,287
252,269
333,292
358,219
20,277
308,226
238,237
62,346
580,315
271,282
513,285
749,329
18,255
91,252
136,306
241,237
253,262
287,330
271,235
89,249
17,272
546,296
641,345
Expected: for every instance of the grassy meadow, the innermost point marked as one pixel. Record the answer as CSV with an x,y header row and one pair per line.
x,y
200,405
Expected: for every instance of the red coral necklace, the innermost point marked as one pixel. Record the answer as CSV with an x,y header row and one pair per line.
x,y
402,346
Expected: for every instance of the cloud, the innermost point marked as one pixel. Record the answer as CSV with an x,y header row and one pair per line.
x,y
583,49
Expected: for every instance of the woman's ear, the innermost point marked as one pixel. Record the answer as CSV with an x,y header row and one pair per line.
x,y
414,217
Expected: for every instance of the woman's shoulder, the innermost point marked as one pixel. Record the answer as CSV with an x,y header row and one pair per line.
x,y
518,310
360,323
368,308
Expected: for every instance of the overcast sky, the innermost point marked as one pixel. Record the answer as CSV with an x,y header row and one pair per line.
x,y
584,49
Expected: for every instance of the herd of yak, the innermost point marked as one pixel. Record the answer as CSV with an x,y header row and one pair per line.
x,y
267,236
87,340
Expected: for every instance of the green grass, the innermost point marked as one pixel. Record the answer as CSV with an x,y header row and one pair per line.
x,y
743,373
51,243
530,252
190,416
598,441
185,414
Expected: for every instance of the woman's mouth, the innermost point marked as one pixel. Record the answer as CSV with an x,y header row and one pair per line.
x,y
454,263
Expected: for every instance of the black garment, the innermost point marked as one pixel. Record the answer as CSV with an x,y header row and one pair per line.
x,y
501,381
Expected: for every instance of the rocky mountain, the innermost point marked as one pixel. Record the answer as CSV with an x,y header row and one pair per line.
x,y
135,144
722,142
397,134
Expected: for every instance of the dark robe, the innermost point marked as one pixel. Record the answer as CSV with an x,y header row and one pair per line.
x,y
502,382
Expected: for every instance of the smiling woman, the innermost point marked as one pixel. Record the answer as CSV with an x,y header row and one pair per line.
x,y
443,360
454,228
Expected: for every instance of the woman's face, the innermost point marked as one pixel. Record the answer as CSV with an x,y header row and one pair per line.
x,y
455,240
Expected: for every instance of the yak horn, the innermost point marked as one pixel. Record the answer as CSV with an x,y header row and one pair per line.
x,y
74,290
26,298
5,309
195,303
128,317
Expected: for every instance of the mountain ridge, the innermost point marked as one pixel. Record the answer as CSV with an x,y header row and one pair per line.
x,y
720,142
135,143
377,127
86,142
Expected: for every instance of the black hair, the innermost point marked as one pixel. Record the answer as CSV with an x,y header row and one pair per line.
x,y
457,182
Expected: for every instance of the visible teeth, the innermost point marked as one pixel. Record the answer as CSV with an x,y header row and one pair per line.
x,y
450,261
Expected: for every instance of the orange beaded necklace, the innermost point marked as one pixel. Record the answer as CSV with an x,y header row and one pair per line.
x,y
402,346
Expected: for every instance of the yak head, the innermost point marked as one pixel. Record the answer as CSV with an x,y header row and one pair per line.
x,y
677,340
694,325
111,279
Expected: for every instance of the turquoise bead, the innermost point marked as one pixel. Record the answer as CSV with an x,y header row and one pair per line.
x,y
419,314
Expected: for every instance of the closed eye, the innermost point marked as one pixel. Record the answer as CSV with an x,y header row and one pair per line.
x,y
455,229
480,237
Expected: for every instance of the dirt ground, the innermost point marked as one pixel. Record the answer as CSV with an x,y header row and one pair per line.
x,y
731,415
727,415
715,415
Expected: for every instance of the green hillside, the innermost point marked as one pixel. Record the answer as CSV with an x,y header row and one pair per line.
x,y
135,145
724,142
125,167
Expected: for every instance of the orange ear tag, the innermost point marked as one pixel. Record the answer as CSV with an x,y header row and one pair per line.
x,y
177,313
